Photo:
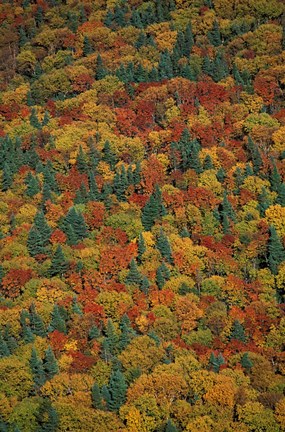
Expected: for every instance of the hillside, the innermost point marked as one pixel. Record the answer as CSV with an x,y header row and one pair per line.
x,y
142,216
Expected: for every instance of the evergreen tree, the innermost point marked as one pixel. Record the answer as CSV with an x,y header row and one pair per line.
x,y
141,248
4,349
238,332
281,195
263,201
81,163
109,156
164,247
94,332
101,72
275,179
165,66
47,417
246,362
111,336
33,185
118,390
214,35
227,208
162,274
170,427
26,332
46,119
133,277
153,209
276,252
34,121
35,242
96,397
50,364
37,369
7,177
208,163
59,265
87,47
9,339
36,322
42,226
188,40
216,362
57,321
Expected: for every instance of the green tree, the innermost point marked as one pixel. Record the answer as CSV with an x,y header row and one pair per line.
x,y
118,390
42,226
57,321
134,277
47,417
37,369
276,251
164,247
59,265
33,185
36,322
96,397
7,177
50,364
214,35
281,195
81,161
87,47
141,248
246,362
238,332
170,427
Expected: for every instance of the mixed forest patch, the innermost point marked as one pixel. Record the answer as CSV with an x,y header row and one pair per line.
x,y
142,216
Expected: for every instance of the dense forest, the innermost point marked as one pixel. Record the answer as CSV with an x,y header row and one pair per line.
x,y
142,215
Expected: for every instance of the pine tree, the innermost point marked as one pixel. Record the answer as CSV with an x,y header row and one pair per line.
x,y
47,417
208,163
50,364
188,40
133,277
38,373
118,390
141,248
96,397
263,201
35,242
170,427
109,156
34,121
94,194
81,163
281,195
57,321
87,47
59,265
164,247
9,339
33,186
246,362
144,286
7,177
214,35
100,70
165,66
276,252
26,332
36,322
94,332
162,274
238,332
4,349
42,226
111,336
275,179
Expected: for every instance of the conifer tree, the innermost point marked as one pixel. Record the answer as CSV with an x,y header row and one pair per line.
x,y
26,332
246,362
164,247
47,417
170,427
59,265
50,364
7,177
133,277
238,332
141,248
33,186
281,195
101,72
42,226
87,47
4,349
275,179
276,252
109,156
111,336
35,242
37,369
36,322
81,162
214,35
96,397
57,321
117,390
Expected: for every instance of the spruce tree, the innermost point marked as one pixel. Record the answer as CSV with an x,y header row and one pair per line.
x,y
35,242
141,248
170,427
117,389
50,364
281,195
214,35
59,265
96,397
36,322
238,332
276,252
37,369
57,321
81,162
47,417
87,47
94,194
133,277
263,201
101,72
109,156
26,331
246,362
164,247
7,177
275,179
42,226
33,186
112,338
4,349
